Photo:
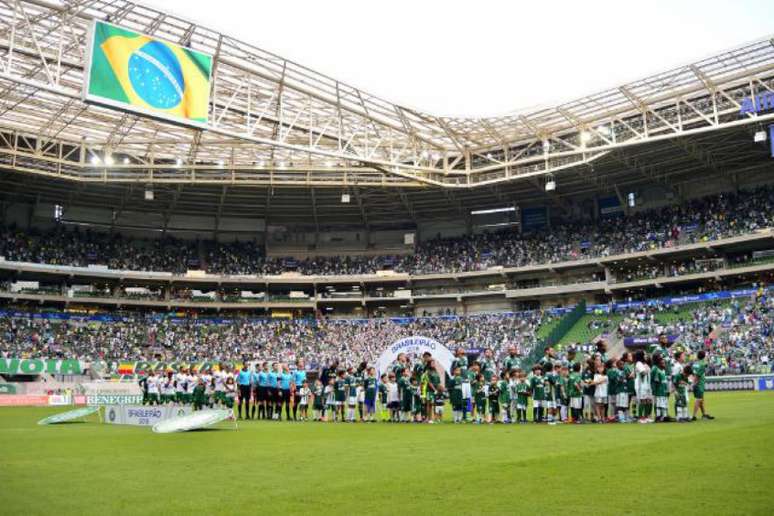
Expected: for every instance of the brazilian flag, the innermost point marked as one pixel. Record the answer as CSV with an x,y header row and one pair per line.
x,y
132,70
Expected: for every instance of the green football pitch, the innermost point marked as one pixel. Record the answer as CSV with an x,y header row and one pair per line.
x,y
724,466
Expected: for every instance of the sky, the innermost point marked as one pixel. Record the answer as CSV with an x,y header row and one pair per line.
x,y
482,57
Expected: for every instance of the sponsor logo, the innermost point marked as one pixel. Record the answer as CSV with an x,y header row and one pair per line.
x,y
39,366
114,399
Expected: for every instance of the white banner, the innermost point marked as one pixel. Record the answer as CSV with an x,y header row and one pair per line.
x,y
60,399
142,415
415,346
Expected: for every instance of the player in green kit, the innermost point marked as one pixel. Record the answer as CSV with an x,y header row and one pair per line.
x,y
574,392
537,386
587,377
505,397
479,393
418,404
522,397
351,387
434,389
383,397
318,405
406,396
699,369
369,397
660,386
493,396
455,394
564,397
628,377
549,400
340,395
680,381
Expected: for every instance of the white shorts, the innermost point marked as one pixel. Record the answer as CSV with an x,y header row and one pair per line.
x,y
662,402
588,401
576,403
622,399
520,406
602,400
361,396
537,403
466,392
549,404
644,392
352,401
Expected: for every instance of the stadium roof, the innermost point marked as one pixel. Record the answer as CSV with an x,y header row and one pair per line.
x,y
275,123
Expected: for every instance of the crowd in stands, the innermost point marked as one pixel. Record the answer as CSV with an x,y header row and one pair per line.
x,y
705,219
83,248
738,335
316,342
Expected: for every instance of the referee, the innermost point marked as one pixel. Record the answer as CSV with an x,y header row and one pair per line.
x,y
243,380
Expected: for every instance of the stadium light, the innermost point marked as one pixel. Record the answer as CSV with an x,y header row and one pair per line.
x,y
179,162
585,137
760,136
550,185
220,163
148,194
493,210
345,198
126,161
108,159
95,160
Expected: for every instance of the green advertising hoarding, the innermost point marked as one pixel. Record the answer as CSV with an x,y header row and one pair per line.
x,y
34,366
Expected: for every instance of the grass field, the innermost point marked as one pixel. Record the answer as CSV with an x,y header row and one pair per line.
x,y
724,466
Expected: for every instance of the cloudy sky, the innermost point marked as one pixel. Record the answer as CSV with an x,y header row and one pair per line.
x,y
485,57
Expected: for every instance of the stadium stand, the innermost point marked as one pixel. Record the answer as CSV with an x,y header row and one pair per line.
x,y
703,220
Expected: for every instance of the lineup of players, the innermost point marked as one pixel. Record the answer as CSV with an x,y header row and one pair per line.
x,y
594,388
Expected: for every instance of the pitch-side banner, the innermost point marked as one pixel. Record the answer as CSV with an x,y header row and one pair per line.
x,y
33,366
132,71
142,415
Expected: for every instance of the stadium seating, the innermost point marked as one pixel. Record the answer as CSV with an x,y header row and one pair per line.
x,y
706,219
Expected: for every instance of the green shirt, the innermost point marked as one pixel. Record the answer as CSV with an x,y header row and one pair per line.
x,y
511,363
505,395
487,368
614,377
574,385
478,389
628,377
370,388
658,380
522,391
462,363
405,389
699,370
352,385
587,376
339,388
537,385
561,391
